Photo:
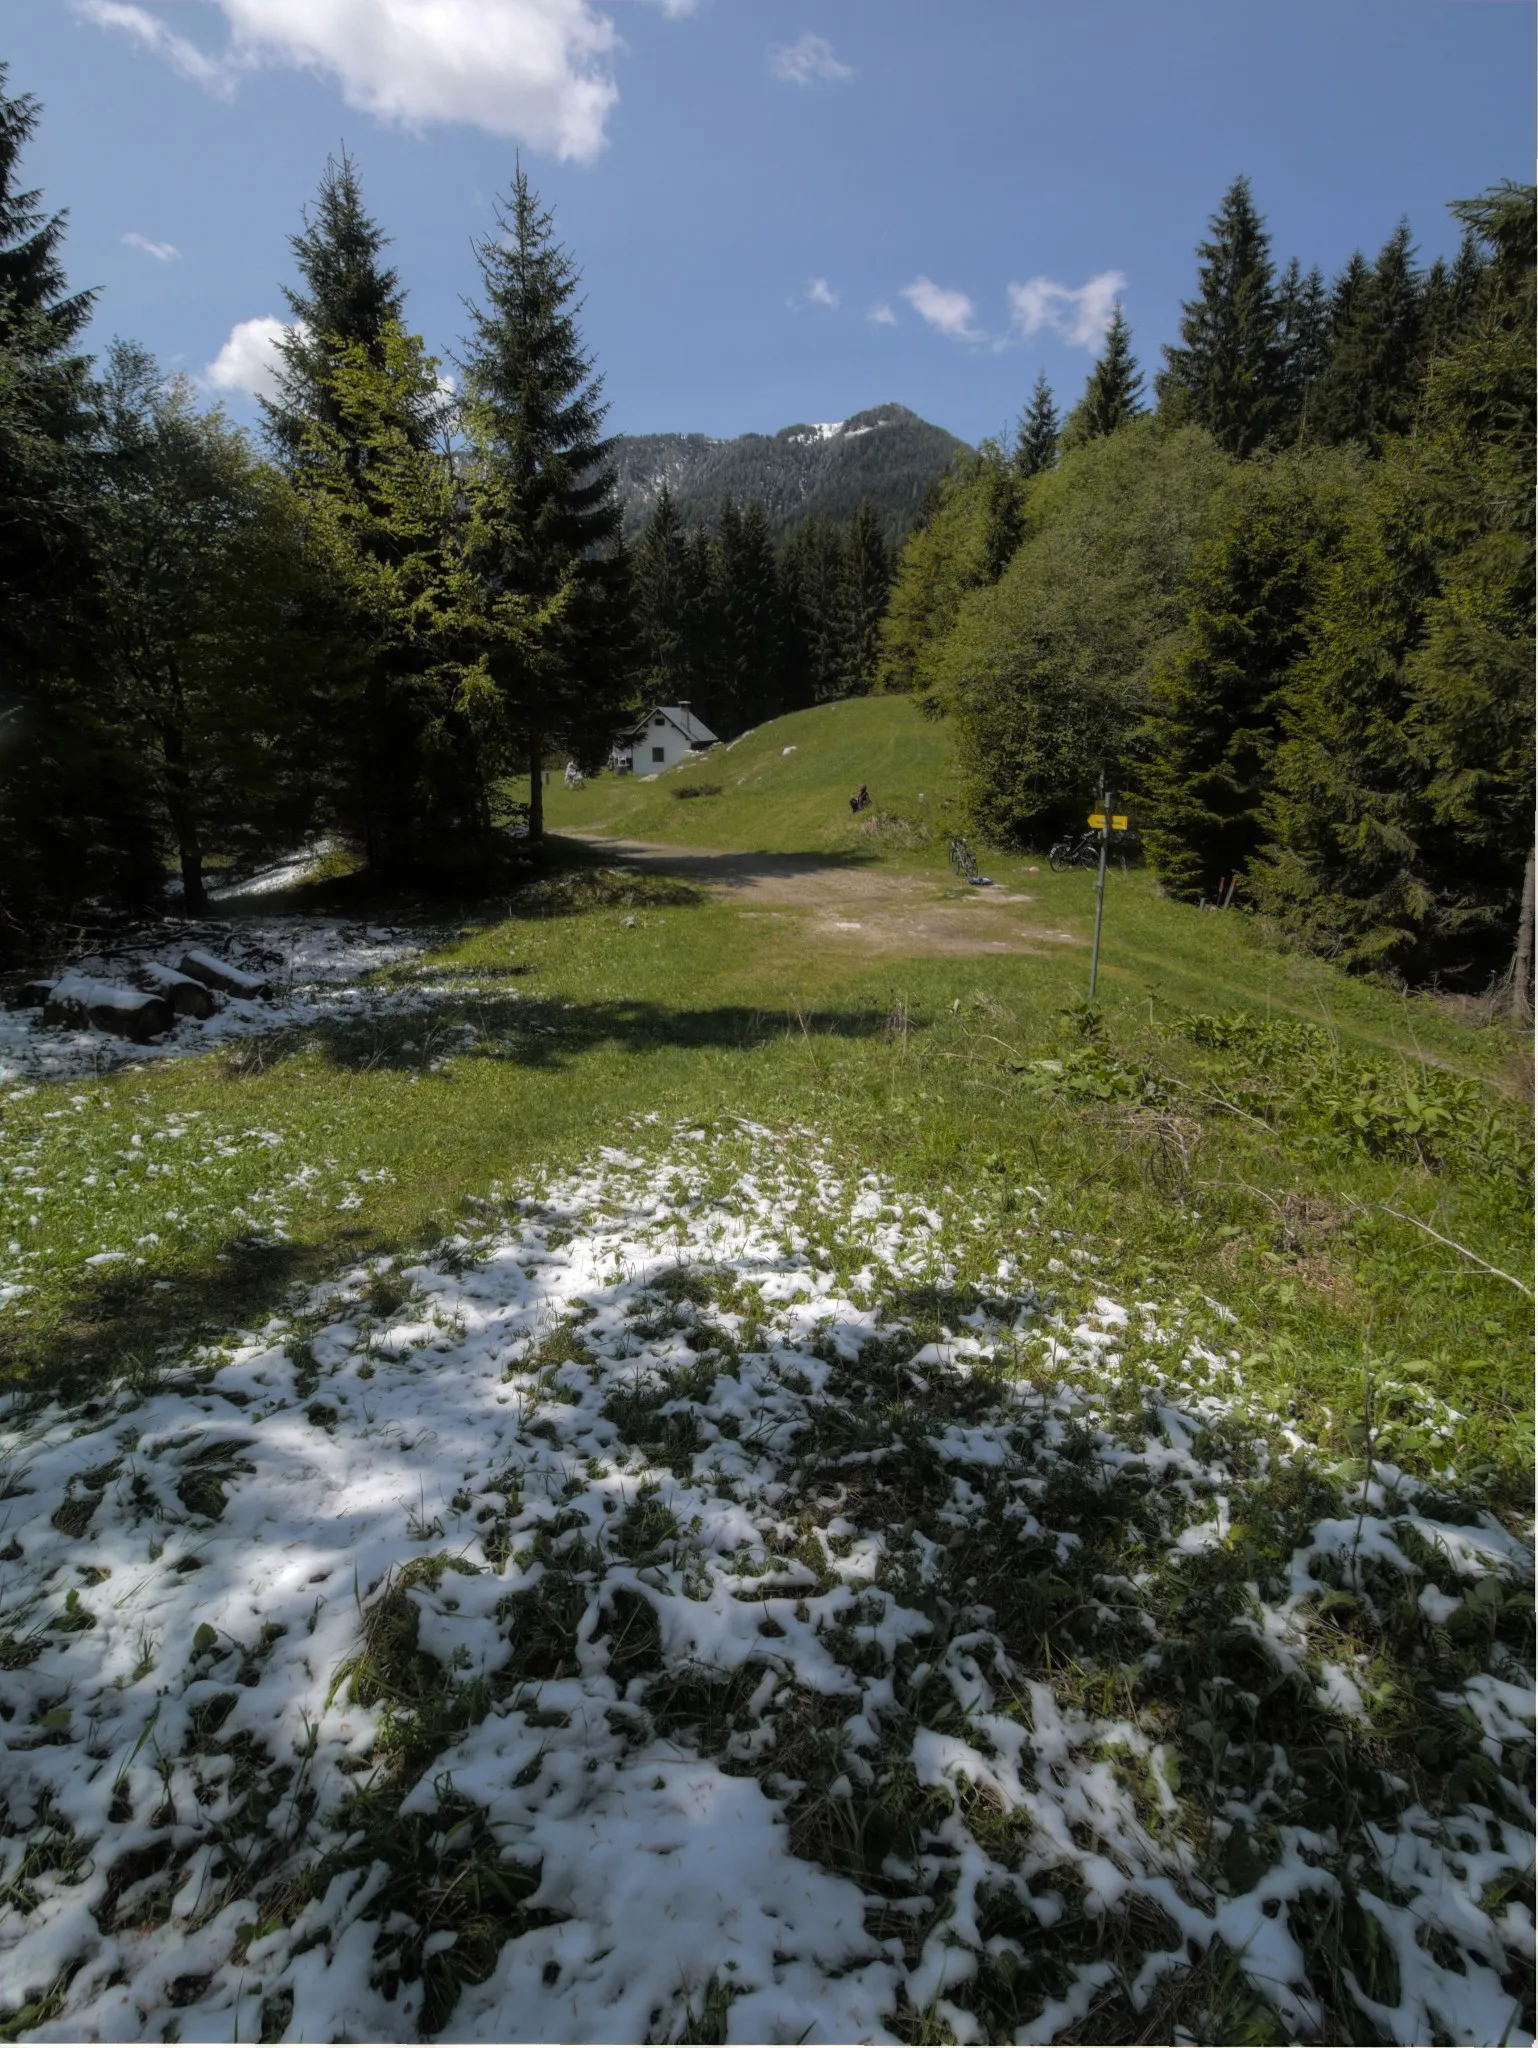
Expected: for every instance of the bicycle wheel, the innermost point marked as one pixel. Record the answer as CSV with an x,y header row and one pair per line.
x,y
1060,859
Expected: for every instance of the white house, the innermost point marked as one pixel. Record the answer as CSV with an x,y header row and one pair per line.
x,y
663,738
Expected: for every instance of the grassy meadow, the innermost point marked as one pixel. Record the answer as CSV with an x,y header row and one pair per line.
x,y
785,787
1273,1159
1318,1186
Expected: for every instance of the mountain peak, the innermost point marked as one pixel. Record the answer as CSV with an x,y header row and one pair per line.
x,y
810,470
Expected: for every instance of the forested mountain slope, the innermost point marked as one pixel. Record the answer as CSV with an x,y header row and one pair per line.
x,y
803,472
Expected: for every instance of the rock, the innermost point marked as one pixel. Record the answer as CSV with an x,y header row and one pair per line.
x,y
220,974
108,1006
188,998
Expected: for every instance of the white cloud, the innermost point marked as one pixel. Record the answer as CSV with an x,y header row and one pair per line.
x,y
1080,317
249,359
537,70
950,312
213,72
882,314
820,293
805,60
163,252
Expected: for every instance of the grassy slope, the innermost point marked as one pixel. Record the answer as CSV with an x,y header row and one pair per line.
x,y
774,802
637,996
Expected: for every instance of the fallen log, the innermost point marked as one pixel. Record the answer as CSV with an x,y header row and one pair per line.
x,y
187,997
221,974
107,1006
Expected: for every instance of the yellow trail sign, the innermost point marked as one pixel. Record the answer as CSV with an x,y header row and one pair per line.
x,y
1118,823
1097,821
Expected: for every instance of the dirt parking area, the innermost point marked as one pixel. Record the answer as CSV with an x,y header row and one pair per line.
x,y
864,904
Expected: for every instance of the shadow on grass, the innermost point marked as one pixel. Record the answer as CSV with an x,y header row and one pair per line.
x,y
638,860
142,1324
139,1326
532,1033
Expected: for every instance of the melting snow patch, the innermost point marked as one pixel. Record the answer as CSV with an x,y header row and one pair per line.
x,y
316,969
599,1629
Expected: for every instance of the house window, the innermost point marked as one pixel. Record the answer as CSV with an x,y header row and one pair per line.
x,y
659,719
659,754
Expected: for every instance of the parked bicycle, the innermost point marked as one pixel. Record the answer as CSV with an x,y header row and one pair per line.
x,y
1083,852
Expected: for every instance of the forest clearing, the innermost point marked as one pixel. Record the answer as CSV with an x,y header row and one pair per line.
x,y
766,1191
980,1518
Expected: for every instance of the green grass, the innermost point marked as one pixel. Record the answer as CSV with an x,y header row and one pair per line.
x,y
774,802
1262,1172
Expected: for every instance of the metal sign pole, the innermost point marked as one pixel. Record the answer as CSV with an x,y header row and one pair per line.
x,y
1105,846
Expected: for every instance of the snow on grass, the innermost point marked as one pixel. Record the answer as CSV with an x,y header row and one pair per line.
x,y
720,1598
319,969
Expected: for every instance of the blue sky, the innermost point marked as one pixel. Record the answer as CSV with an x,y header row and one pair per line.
x,y
784,209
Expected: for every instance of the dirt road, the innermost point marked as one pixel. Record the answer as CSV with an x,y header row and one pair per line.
x,y
864,904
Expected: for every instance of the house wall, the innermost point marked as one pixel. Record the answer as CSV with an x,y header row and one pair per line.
x,y
672,742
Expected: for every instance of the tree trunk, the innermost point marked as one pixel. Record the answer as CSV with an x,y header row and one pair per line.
x,y
184,820
536,792
1522,959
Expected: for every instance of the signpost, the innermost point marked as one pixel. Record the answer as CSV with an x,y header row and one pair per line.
x,y
1105,821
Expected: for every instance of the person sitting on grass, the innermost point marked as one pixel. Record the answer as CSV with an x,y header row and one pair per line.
x,y
861,800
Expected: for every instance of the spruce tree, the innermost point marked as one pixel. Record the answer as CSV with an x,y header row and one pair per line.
x,y
1003,511
347,297
541,413
73,819
201,562
749,607
1114,393
1453,296
867,583
1401,811
811,572
1369,392
1226,374
1037,437
1303,324
701,624
1217,696
35,299
658,587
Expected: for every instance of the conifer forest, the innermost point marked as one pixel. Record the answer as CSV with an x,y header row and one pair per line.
x,y
762,1388
1278,593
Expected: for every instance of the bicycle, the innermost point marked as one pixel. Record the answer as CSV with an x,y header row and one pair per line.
x,y
1083,852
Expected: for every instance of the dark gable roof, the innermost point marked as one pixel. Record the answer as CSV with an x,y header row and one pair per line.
x,y
693,730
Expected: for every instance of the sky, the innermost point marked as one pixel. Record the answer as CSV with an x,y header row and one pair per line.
x,y
783,210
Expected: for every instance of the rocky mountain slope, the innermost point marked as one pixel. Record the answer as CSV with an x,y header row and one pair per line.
x,y
802,472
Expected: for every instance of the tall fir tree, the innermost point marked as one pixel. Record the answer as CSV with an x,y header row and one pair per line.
x,y
201,564
748,606
73,818
811,570
1452,297
867,583
1376,363
1225,374
1114,393
659,585
347,297
35,299
1003,513
1303,325
1036,438
541,412
1217,696
1401,811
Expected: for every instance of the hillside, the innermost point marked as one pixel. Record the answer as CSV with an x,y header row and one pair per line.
x,y
785,787
887,454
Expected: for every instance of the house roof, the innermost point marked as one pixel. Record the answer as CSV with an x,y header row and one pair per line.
x,y
695,732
